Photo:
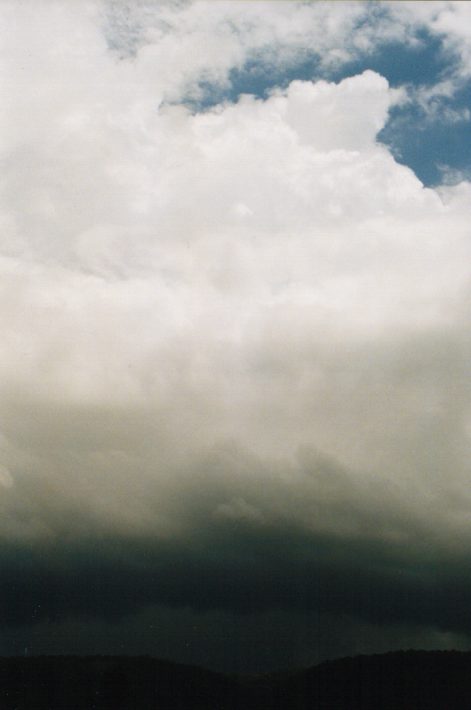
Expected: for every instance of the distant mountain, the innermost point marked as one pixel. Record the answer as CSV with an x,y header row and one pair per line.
x,y
404,680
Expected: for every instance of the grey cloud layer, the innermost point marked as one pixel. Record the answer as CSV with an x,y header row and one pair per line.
x,y
234,366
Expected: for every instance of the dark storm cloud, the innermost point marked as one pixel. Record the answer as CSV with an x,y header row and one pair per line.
x,y
242,568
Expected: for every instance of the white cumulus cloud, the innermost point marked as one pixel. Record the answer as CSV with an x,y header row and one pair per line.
x,y
262,273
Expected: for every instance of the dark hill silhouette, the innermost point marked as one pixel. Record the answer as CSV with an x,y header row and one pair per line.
x,y
403,680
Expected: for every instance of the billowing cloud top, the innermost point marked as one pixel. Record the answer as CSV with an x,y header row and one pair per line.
x,y
234,364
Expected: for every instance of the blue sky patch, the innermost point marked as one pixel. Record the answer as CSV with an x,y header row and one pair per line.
x,y
431,146
426,141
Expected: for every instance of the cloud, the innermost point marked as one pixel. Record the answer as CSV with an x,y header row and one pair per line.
x,y
234,366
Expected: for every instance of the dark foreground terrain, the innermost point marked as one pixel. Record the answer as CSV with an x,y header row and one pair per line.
x,y
411,679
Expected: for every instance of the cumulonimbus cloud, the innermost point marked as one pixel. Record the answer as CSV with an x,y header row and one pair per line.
x,y
250,315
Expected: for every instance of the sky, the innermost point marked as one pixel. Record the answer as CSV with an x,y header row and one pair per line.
x,y
235,393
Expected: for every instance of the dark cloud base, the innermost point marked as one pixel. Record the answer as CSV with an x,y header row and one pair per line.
x,y
224,573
